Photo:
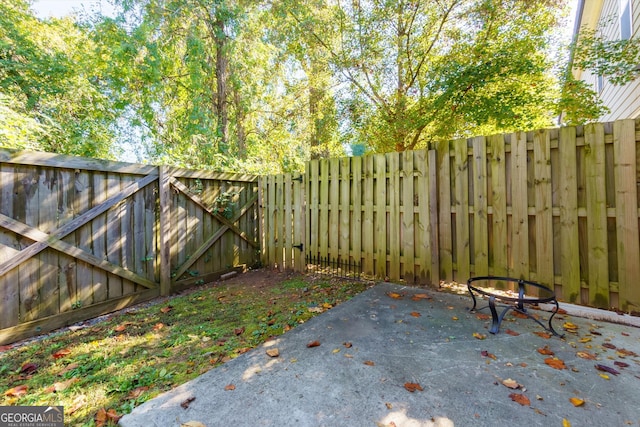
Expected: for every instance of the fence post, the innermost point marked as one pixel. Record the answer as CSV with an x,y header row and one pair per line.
x,y
165,232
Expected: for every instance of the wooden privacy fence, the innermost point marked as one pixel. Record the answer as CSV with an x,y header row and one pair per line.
x,y
82,237
557,206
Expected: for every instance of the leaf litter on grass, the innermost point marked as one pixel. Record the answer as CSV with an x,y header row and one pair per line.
x,y
101,370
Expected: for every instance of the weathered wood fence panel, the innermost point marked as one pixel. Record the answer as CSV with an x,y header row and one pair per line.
x,y
82,237
557,206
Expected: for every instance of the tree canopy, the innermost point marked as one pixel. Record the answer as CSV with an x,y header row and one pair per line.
x,y
263,86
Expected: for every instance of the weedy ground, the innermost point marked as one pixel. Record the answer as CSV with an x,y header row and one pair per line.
x,y
104,369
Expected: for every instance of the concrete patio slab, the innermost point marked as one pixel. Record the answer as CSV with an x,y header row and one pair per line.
x,y
389,340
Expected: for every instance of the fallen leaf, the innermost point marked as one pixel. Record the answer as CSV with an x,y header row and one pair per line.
x,y
509,383
369,363
566,423
61,353
623,352
60,386
418,297
28,368
185,404
568,326
555,363
605,376
560,310
607,369
412,387
313,344
347,344
545,335
104,417
327,305
394,295
575,401
166,309
482,316
137,392
389,405
17,391
609,345
158,326
193,424
621,364
479,336
584,340
519,315
238,331
68,368
336,350
520,398
454,318
510,332
229,387
273,352
485,353
546,351
5,348
586,355
415,314
121,327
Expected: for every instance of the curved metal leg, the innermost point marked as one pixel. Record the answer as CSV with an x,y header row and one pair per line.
x,y
474,300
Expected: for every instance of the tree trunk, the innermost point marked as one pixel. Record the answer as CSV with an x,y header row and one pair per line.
x,y
222,78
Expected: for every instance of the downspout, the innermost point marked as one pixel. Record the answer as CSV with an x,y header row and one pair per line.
x,y
574,40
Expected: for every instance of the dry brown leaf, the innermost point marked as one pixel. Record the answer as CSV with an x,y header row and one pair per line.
x,y
166,309
185,404
520,398
369,363
479,336
273,352
394,295
61,353
313,344
238,331
63,385
104,417
192,424
586,355
158,326
415,314
545,335
17,391
509,383
229,387
576,401
68,368
412,387
546,351
510,332
347,344
28,368
137,392
555,363
485,353
418,297
482,316
519,315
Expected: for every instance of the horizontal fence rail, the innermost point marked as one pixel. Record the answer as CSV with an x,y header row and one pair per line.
x,y
82,237
556,206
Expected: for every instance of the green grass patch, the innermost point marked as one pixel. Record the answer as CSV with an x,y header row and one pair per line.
x,y
119,363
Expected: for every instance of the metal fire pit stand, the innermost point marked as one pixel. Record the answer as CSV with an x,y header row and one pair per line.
x,y
546,295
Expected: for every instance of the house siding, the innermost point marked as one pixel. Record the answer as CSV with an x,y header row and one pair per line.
x,y
622,101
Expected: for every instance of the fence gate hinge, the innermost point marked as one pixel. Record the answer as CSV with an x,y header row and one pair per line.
x,y
299,179
300,246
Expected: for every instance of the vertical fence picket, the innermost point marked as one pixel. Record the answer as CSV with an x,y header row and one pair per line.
x,y
408,217
543,206
598,267
480,218
568,204
461,203
626,170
